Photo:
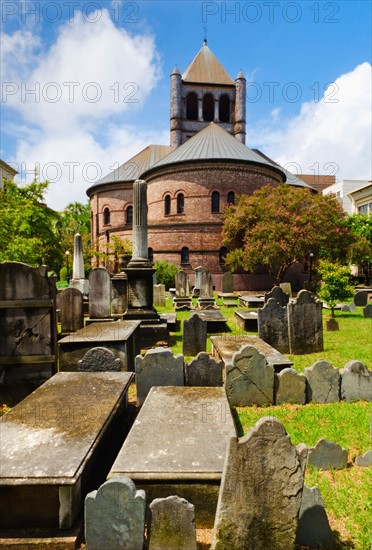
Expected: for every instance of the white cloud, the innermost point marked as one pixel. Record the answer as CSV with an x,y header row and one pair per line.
x,y
71,139
334,132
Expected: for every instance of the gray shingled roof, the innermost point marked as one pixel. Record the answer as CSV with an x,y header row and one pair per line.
x,y
213,143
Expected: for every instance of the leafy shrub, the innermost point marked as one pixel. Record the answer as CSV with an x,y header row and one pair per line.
x,y
166,273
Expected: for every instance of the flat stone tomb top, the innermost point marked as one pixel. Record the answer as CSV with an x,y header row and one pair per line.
x,y
209,315
228,295
252,301
102,332
181,433
246,314
229,303
226,346
49,436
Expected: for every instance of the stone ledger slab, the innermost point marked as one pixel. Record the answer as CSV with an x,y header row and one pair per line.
x,y
177,446
122,337
246,320
50,445
224,347
216,322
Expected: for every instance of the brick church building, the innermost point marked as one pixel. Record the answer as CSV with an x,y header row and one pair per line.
x,y
191,181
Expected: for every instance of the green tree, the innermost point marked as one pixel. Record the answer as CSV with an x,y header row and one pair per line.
x,y
166,273
276,227
75,218
361,251
111,252
335,286
28,227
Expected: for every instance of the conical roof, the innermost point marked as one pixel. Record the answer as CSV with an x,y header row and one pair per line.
x,y
206,69
214,143
133,168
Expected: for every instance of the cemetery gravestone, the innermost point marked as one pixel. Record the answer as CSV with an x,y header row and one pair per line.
x,y
365,460
203,371
290,387
327,455
367,311
313,526
115,516
361,298
182,299
28,330
349,308
198,273
99,360
99,294
259,519
159,367
305,324
159,295
323,383
206,290
227,282
119,298
172,524
356,382
279,295
273,325
194,336
72,317
249,379
78,281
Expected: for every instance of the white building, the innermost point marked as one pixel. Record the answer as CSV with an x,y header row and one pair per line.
x,y
361,199
6,172
344,189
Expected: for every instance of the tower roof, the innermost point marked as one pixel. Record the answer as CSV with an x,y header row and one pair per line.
x,y
214,143
206,69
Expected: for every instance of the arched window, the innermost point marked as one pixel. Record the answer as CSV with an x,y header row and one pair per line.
x,y
208,108
167,205
223,254
106,216
180,203
231,197
224,108
150,254
192,106
129,215
185,255
215,202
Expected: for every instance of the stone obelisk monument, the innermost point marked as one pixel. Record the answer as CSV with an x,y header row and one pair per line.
x,y
140,273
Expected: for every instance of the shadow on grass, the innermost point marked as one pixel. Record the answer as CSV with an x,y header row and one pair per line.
x,y
338,544
238,424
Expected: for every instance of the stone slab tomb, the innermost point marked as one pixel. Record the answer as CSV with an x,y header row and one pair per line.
x,y
159,367
261,490
28,330
177,446
216,322
122,337
224,347
251,301
115,516
246,320
56,444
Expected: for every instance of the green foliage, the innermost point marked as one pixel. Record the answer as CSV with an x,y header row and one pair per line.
x,y
28,227
112,250
63,273
276,227
335,285
166,273
75,218
361,251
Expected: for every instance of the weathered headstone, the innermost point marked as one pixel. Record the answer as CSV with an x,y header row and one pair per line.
x,y
99,293
159,367
290,387
159,295
323,383
327,455
99,360
249,379
194,336
172,521
182,299
332,325
227,282
203,371
119,301
198,273
261,489
72,318
115,516
367,311
273,325
206,290
361,298
313,526
278,294
348,308
365,460
305,324
356,382
28,330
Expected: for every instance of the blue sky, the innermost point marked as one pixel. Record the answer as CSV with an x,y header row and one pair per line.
x,y
100,75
